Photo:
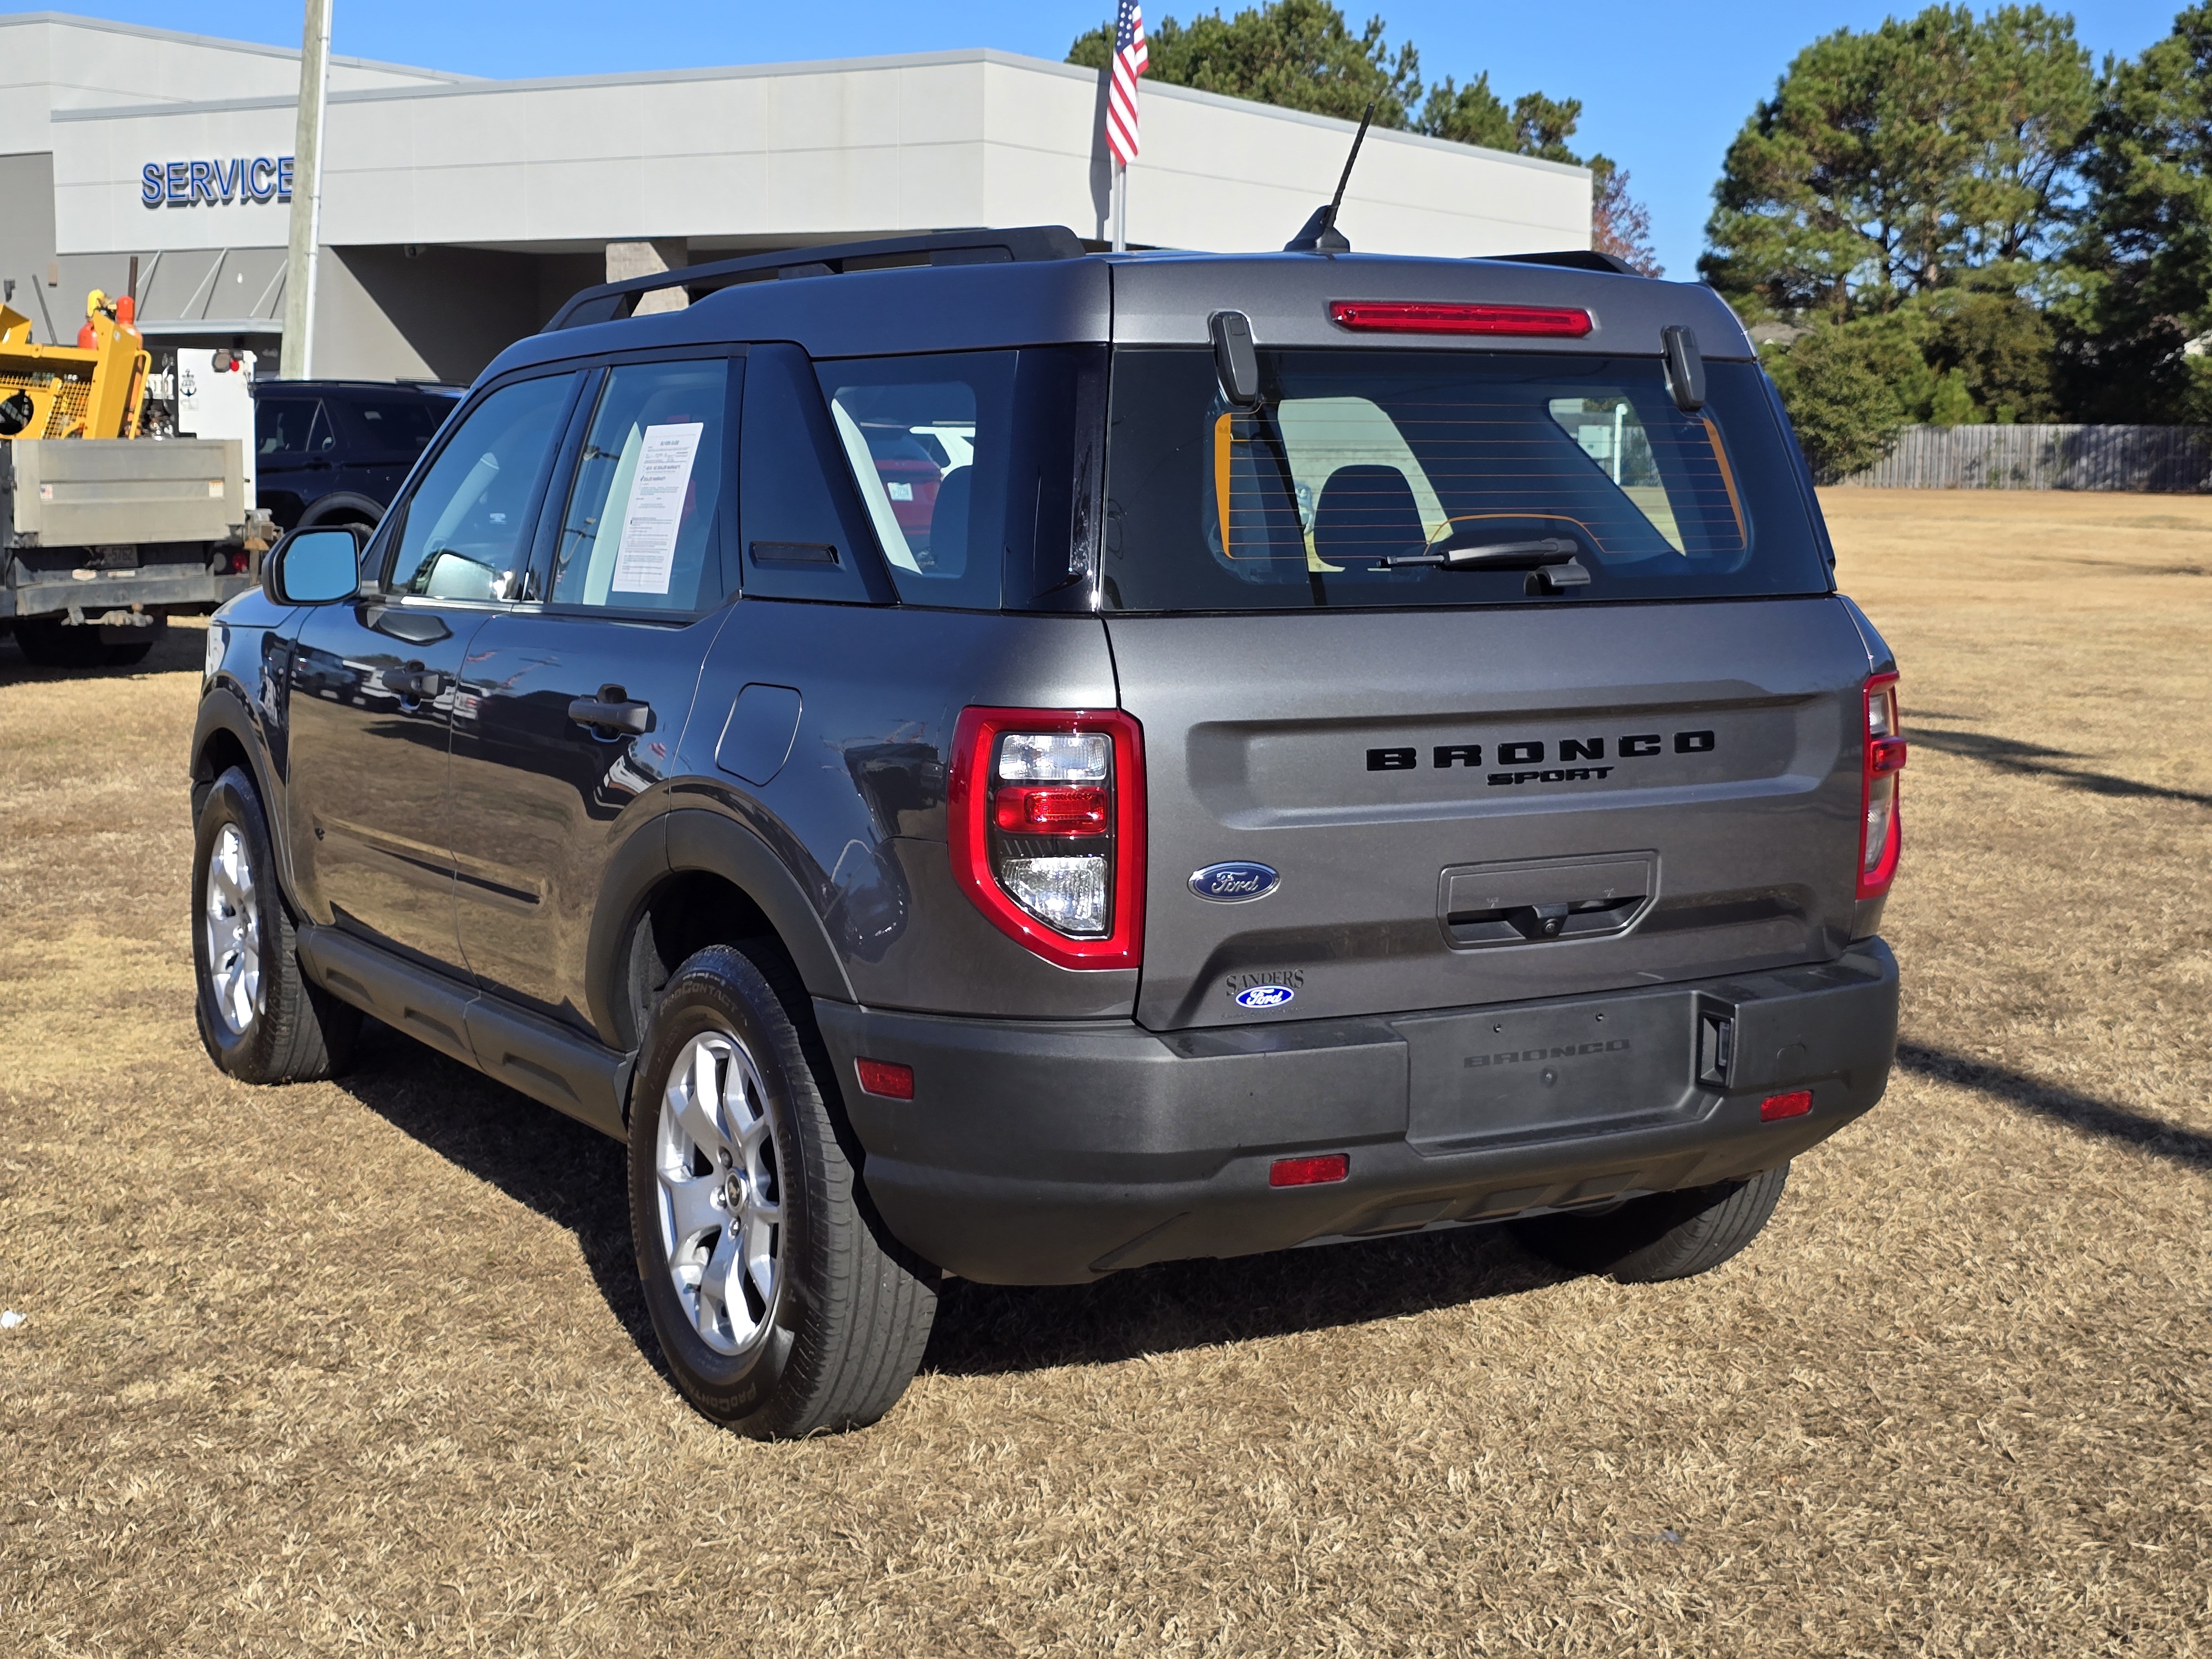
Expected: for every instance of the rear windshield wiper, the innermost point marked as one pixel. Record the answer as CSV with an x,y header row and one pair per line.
x,y
1553,555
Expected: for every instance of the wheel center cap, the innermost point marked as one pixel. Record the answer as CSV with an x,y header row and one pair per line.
x,y
733,1192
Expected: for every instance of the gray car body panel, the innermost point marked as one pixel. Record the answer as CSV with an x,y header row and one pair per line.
x,y
1258,729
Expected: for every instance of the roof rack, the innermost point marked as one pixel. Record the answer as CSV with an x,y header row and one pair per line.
x,y
1575,258
613,301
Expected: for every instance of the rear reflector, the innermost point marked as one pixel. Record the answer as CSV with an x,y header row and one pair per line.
x,y
1044,808
1796,1104
1434,317
1309,1171
886,1078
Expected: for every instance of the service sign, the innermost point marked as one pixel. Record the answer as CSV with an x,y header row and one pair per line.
x,y
188,184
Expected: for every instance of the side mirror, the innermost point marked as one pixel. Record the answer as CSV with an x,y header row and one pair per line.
x,y
315,567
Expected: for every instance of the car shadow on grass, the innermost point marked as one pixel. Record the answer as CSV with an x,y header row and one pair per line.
x,y
574,1177
2085,1114
2035,760
986,1330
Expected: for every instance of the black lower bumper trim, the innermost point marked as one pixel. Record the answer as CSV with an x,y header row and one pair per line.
x,y
1049,1153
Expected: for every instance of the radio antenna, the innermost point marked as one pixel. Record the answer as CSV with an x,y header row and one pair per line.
x,y
1321,234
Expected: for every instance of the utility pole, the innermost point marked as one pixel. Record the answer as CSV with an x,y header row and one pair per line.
x,y
299,258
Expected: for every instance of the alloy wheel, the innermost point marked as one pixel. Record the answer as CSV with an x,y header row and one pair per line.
x,y
721,1193
233,924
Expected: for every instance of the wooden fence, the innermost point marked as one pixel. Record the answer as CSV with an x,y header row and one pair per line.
x,y
2151,458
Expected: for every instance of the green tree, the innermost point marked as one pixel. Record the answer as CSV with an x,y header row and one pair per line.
x,y
1890,162
1471,114
2136,288
1999,349
1838,382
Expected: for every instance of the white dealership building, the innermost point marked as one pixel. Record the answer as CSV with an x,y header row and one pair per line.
x,y
458,213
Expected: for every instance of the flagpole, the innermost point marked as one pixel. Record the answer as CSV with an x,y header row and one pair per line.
x,y
1120,207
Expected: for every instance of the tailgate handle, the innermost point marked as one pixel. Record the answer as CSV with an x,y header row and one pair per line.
x,y
1527,923
1537,901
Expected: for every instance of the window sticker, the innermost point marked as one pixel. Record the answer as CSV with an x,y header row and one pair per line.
x,y
645,557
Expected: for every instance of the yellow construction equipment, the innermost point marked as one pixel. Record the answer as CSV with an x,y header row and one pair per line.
x,y
93,389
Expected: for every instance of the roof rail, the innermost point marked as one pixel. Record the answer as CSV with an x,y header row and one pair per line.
x,y
613,301
1575,258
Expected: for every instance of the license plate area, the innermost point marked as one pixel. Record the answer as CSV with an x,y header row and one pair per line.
x,y
1549,1071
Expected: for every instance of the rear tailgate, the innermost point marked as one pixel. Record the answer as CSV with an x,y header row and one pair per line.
x,y
1486,805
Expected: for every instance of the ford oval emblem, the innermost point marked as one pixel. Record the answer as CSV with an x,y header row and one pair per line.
x,y
1264,996
1236,882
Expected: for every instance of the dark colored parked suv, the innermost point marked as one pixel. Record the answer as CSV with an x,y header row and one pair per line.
x,y
1022,764
335,452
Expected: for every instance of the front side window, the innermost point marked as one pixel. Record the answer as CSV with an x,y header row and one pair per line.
x,y
1364,472
462,538
639,531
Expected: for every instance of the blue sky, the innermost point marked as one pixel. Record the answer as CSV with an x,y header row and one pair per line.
x,y
1663,88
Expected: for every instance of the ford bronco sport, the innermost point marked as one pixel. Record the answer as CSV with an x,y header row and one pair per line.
x,y
975,758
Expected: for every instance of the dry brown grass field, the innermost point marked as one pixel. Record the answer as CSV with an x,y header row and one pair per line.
x,y
359,1367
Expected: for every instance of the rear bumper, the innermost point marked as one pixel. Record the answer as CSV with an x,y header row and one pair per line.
x,y
1051,1152
158,587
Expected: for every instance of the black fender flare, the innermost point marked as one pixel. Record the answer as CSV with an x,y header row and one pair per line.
x,y
693,839
323,509
223,709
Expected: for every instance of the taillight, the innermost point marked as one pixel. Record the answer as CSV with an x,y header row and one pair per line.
x,y
1880,834
1048,829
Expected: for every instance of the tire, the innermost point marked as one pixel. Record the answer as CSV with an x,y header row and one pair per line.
x,y
48,644
819,1319
1667,1235
341,507
259,1019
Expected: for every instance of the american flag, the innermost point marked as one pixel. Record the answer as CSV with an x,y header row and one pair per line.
x,y
1129,61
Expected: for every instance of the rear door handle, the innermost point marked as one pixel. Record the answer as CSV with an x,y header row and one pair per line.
x,y
611,712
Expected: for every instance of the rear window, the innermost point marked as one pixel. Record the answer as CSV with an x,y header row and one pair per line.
x,y
1359,465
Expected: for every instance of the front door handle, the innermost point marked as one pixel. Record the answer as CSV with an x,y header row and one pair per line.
x,y
611,712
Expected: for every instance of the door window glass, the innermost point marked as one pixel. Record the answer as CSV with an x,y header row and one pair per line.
x,y
281,424
465,524
640,528
407,424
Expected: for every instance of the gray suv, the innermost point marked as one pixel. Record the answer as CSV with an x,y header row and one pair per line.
x,y
975,758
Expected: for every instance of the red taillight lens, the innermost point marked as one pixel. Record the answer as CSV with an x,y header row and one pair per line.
x,y
1881,833
1796,1104
1438,317
886,1078
1309,1171
1052,810
1048,829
